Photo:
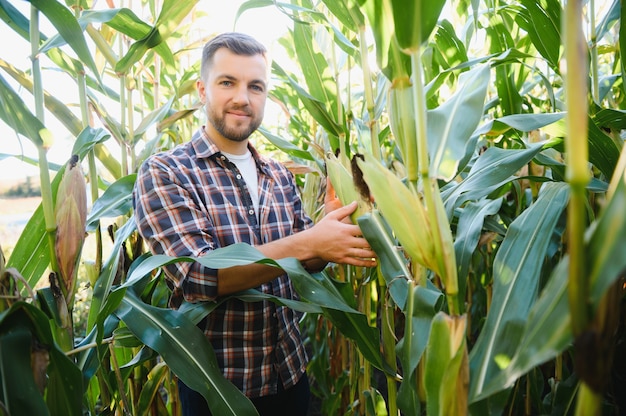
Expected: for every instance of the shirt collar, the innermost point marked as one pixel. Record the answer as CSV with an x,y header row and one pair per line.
x,y
205,148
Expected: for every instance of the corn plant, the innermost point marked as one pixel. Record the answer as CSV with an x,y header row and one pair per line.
x,y
490,183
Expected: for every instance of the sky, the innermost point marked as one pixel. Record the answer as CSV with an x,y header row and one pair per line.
x,y
266,24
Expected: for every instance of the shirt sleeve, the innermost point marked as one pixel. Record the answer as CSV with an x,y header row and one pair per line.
x,y
171,222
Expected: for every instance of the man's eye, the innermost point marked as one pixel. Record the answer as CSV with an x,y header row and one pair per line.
x,y
257,88
226,83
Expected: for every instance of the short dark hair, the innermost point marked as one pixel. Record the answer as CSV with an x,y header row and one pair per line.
x,y
238,43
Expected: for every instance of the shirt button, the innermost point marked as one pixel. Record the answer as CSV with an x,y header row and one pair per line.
x,y
223,157
238,176
251,212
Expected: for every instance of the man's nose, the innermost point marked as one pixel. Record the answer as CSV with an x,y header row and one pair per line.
x,y
241,95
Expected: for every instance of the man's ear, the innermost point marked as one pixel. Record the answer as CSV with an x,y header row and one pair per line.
x,y
201,90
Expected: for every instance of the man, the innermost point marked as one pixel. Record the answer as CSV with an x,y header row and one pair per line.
x,y
216,190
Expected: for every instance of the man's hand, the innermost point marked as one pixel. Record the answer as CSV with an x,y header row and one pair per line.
x,y
336,239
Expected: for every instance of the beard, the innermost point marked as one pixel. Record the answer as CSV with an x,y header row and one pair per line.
x,y
238,132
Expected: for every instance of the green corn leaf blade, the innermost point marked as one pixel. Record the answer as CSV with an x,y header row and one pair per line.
x,y
316,290
468,233
154,117
449,50
491,170
291,10
315,107
607,247
116,200
542,22
122,20
443,369
348,14
150,388
603,152
287,147
88,139
187,352
65,389
521,122
308,287
611,16
104,283
547,332
450,126
15,19
59,109
415,20
390,59
317,73
172,14
516,275
392,263
14,113
69,29
20,392
427,303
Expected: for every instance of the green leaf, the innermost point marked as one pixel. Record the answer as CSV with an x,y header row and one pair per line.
x,y
68,28
468,232
516,273
65,389
287,147
151,388
187,352
392,263
542,22
104,283
319,291
547,332
450,126
14,112
449,49
172,14
59,109
88,139
607,247
152,118
414,21
116,200
20,392
315,107
491,170
348,14
317,73
427,303
14,19
603,152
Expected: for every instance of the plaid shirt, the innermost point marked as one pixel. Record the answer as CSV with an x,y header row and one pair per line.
x,y
192,200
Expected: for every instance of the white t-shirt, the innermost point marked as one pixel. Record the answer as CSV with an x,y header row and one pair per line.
x,y
246,165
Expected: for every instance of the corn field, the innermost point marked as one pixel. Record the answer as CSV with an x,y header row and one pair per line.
x,y
484,143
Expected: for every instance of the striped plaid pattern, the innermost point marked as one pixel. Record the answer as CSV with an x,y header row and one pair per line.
x,y
191,200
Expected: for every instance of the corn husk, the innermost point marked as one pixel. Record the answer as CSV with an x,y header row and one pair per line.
x,y
71,217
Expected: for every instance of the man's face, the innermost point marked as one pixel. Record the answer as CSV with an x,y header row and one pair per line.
x,y
234,95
